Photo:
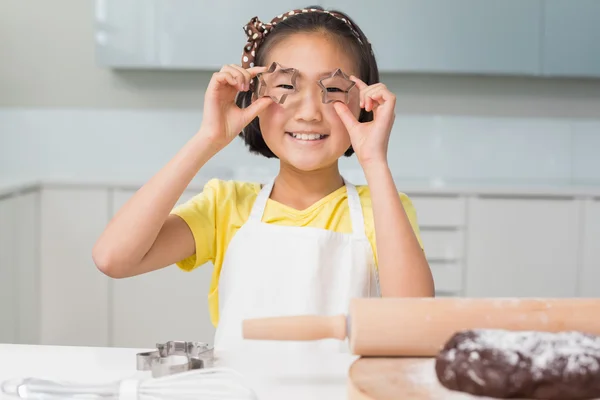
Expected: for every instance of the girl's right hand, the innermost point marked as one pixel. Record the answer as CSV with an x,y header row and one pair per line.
x,y
223,120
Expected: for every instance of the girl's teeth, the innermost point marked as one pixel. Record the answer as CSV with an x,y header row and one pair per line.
x,y
307,136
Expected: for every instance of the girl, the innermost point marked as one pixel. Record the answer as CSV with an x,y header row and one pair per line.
x,y
308,241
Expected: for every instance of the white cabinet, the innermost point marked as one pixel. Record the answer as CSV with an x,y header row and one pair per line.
x,y
27,258
508,37
182,34
125,33
52,293
73,293
459,36
590,273
8,294
19,306
441,222
522,247
167,304
571,43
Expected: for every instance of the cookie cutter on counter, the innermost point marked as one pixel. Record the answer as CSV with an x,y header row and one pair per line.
x,y
166,359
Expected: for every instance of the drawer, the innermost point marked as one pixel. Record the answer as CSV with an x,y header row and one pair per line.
x,y
447,276
443,245
440,211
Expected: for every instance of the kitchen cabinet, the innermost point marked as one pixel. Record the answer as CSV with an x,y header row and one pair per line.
x,y
590,272
8,294
571,42
441,222
460,36
73,293
477,245
510,37
185,34
27,258
125,33
18,268
168,304
525,247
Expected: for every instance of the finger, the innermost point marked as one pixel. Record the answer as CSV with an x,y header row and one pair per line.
x,y
245,74
359,83
367,101
238,76
382,96
376,95
373,88
385,106
250,112
378,98
374,99
346,116
256,70
225,78
361,86
367,89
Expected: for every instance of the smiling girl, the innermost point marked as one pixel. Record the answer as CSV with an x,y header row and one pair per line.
x,y
308,241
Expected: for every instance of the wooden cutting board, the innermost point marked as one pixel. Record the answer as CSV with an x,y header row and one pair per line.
x,y
396,378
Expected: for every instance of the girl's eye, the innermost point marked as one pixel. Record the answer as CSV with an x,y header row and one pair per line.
x,y
288,87
334,90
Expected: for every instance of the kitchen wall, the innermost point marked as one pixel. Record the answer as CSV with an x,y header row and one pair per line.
x,y
108,145
60,115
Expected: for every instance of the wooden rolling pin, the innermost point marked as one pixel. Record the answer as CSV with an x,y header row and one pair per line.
x,y
419,327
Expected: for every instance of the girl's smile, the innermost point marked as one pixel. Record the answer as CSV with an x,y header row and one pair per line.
x,y
307,136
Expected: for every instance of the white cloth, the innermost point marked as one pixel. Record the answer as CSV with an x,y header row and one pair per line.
x,y
273,270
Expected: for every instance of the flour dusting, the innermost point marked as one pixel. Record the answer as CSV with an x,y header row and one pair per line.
x,y
422,373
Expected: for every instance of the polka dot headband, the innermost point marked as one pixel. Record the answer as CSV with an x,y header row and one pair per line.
x,y
256,30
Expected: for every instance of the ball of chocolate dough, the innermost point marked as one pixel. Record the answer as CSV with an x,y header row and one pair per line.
x,y
521,364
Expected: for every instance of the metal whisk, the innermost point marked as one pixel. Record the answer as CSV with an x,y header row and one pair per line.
x,y
198,384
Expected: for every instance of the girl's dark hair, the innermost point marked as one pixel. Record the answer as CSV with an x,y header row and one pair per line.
x,y
311,22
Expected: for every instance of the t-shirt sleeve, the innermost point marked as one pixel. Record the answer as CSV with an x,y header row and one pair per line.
x,y
200,214
411,213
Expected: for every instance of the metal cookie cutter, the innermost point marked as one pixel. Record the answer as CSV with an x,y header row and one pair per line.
x,y
167,359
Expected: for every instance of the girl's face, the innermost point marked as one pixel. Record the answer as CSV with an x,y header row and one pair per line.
x,y
284,126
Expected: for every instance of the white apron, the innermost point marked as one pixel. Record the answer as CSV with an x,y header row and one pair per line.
x,y
273,270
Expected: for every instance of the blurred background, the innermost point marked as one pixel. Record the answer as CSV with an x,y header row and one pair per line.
x,y
496,140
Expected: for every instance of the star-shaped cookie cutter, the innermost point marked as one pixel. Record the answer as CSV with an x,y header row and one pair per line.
x,y
166,359
340,78
276,68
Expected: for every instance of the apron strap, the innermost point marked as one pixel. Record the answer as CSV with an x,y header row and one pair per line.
x,y
356,214
260,203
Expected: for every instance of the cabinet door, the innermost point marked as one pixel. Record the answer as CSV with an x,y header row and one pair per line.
x,y
571,38
27,267
8,294
74,294
590,276
188,36
460,36
522,247
125,34
195,34
168,304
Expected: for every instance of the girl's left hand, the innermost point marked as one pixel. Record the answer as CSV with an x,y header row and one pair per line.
x,y
370,139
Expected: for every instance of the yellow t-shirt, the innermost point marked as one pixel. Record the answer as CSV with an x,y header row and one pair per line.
x,y
215,215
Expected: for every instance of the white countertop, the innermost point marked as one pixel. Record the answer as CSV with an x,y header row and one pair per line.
x,y
13,184
299,377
